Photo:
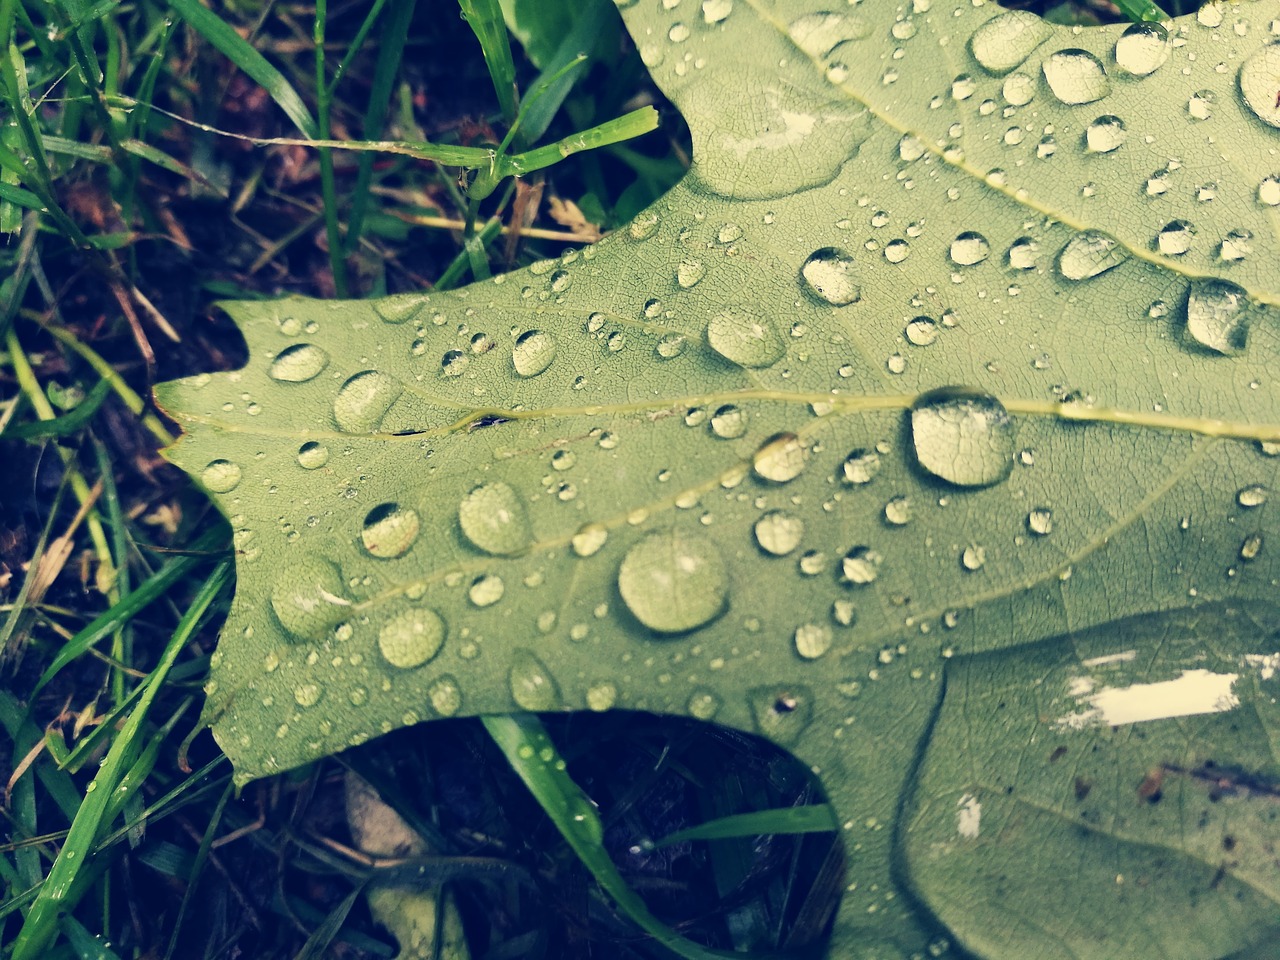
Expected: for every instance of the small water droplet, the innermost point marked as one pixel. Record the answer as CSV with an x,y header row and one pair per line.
x,y
1040,521
969,248
298,363
1076,76
1218,316
779,532
973,557
486,590
861,466
453,363
602,696
1200,104
644,226
532,686
364,400
812,640
962,436
307,597
307,694
1236,245
703,705
1006,40
389,530
493,518
533,353
445,696
1105,134
729,422
1259,82
780,459
411,638
1019,89
1251,546
714,11
781,713
828,276
1174,238
689,273
729,232
963,87
312,455
1269,191
1090,254
895,251
897,512
743,337
674,582
671,345
812,563
589,539
1252,496
221,476
861,565
921,331
1023,254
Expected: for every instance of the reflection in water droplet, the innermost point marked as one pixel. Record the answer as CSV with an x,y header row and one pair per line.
x,y
1089,254
961,436
1218,316
1142,49
494,520
673,582
781,713
389,530
828,276
453,363
312,455
1260,81
307,597
411,638
533,353
861,565
589,539
969,248
532,685
812,640
744,338
299,363
1076,76
729,422
779,532
364,400
1006,40
1105,134
1040,521
780,459
861,466
221,476
486,590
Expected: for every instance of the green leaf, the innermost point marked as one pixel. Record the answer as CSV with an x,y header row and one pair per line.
x,y
941,382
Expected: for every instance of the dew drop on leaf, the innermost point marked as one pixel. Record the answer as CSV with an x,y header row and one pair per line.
x,y
921,331
964,437
1174,238
703,705
221,476
533,353
861,566
1076,76
1218,316
1019,89
411,638
895,251
729,422
714,11
673,582
1005,41
781,713
969,248
779,533
364,400
644,226
1142,49
897,512
453,363
689,273
486,590
812,640
671,345
531,683
445,696
1269,191
1105,133
973,557
1023,254
299,363
602,696
1251,546
589,539
494,520
1040,521
1252,496
1090,253
307,597
312,455
307,694
780,459
742,337
389,530
861,466
1260,81
827,276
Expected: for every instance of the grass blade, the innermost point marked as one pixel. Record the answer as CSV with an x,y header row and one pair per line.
x,y
485,19
1139,10
625,127
818,818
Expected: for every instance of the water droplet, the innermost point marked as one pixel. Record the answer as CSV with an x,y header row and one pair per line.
x,y
1040,521
307,694
714,11
453,363
307,597
1200,104
589,539
970,247
895,251
389,530
602,696
644,226
1218,316
1019,89
689,273
674,582
445,696
861,466
1076,76
221,476
312,455
1259,81
729,232
703,705
494,520
1250,547
533,353
779,532
411,638
897,512
910,148
1142,49
812,563
1089,254
1023,254
671,345
1006,40
861,565
532,685
1252,496
921,331
828,276
819,33
1236,245
1269,191
299,363
1174,238
781,712
963,87
1105,134
963,436
364,400
780,459
744,338
812,640
973,557
486,590
729,422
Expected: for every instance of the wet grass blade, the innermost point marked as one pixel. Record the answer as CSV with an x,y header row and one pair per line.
x,y
485,19
818,818
1139,10
625,127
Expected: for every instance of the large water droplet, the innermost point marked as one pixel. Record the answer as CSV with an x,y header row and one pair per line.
x,y
1252,496
364,400
221,476
533,353
1076,76
812,640
1006,40
1260,81
411,638
494,520
1088,254
299,363
780,459
389,530
969,248
745,338
1218,316
781,712
673,582
963,436
827,275
779,532
532,685
307,597
1142,49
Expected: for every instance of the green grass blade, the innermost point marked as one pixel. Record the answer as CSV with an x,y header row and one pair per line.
x,y
1138,10
625,127
551,88
40,924
532,755
818,818
220,33
485,19
64,425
